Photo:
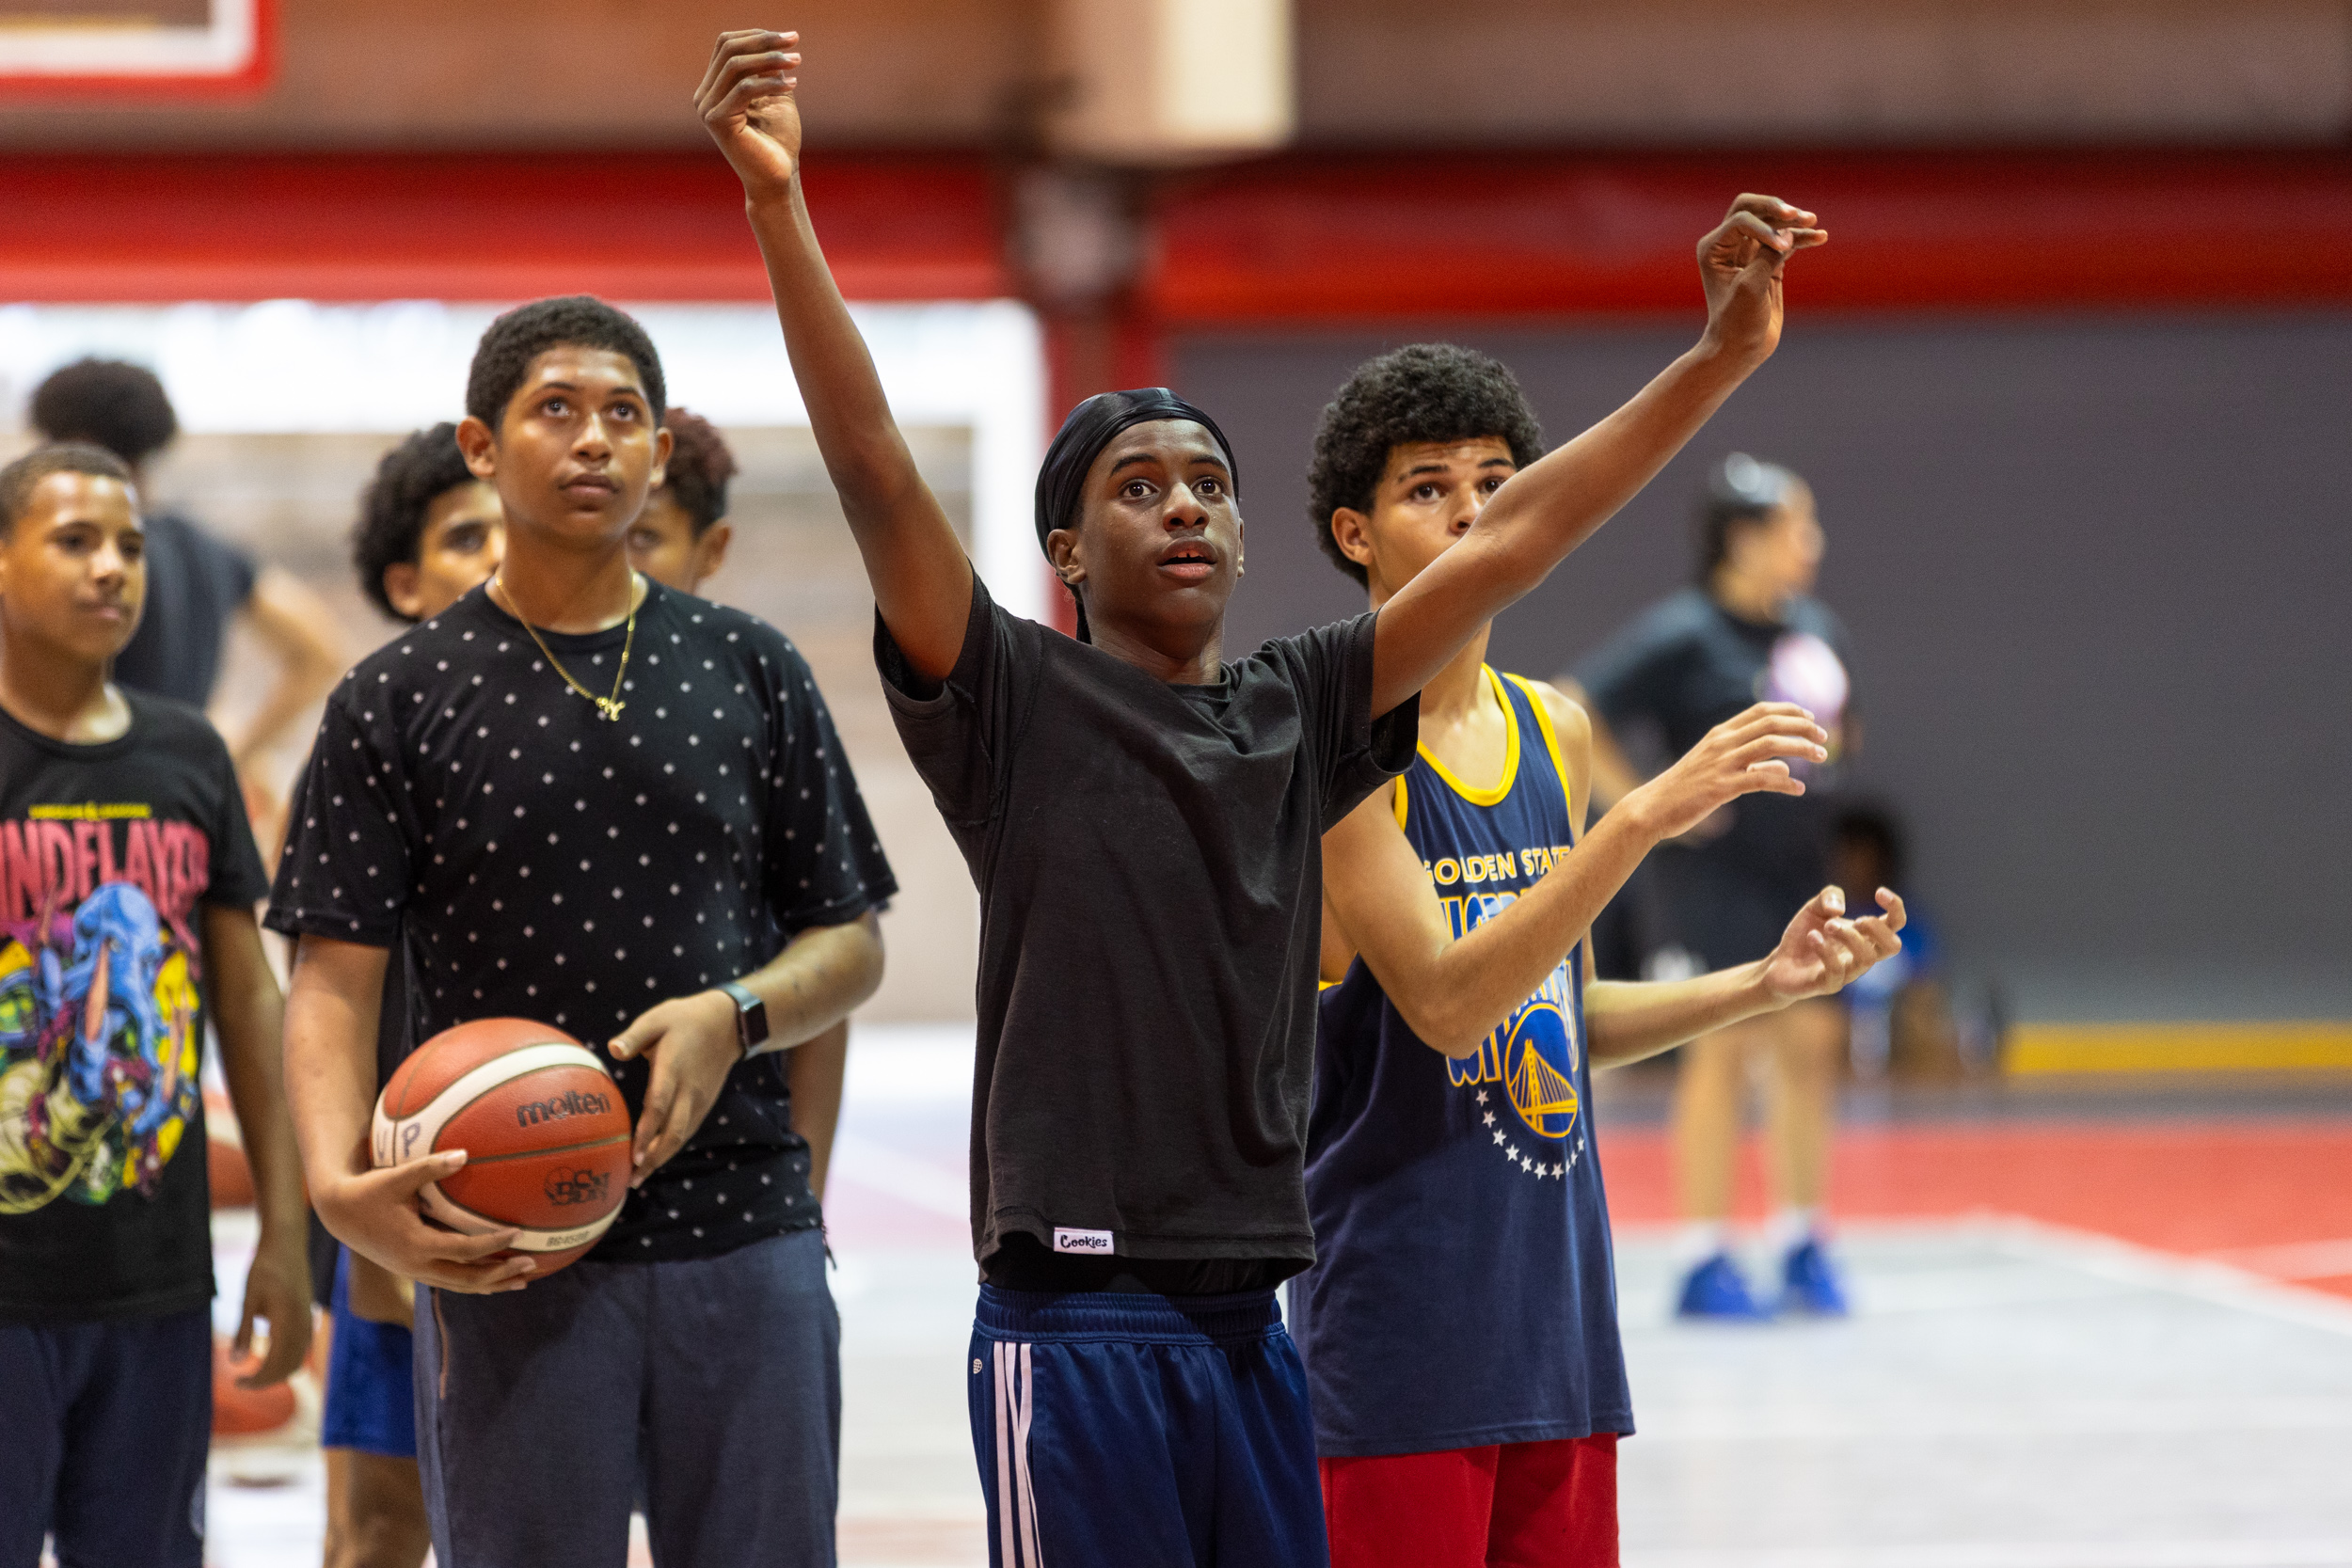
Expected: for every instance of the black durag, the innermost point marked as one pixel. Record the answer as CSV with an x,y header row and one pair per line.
x,y
1091,426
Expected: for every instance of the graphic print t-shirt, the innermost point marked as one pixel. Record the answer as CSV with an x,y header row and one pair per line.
x,y
109,853
1465,1293
538,861
1149,864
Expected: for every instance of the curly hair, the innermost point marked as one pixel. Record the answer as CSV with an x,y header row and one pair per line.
x,y
1422,392
20,479
107,402
700,466
504,356
409,479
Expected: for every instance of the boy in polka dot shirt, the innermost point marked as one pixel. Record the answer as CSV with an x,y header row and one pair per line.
x,y
580,797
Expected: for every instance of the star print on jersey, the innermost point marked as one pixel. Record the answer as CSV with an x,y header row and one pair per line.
x,y
538,861
1533,1057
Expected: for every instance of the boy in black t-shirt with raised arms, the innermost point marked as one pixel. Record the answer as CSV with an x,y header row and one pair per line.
x,y
1142,816
579,797
127,883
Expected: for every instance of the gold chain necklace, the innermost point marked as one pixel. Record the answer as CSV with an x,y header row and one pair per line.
x,y
609,707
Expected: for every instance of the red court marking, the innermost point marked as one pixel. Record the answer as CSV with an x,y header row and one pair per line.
x,y
2190,1188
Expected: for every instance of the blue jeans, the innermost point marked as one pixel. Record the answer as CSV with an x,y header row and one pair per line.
x,y
715,1384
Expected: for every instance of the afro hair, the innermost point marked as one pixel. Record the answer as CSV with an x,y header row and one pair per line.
x,y
20,479
1422,392
699,468
106,403
502,358
390,529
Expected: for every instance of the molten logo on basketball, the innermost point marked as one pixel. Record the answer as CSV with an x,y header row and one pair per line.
x,y
571,1103
578,1186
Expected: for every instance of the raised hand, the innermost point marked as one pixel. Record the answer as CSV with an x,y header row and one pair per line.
x,y
1739,264
377,1214
1823,952
747,105
1741,755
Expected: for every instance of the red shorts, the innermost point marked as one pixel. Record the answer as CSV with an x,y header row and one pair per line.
x,y
1510,1505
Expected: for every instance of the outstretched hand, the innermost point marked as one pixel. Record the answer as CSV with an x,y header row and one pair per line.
x,y
1740,265
1744,755
1823,951
747,105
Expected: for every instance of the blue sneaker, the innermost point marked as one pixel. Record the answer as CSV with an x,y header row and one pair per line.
x,y
1810,1284
1716,1289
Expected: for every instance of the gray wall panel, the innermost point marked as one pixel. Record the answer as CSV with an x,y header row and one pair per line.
x,y
2097,574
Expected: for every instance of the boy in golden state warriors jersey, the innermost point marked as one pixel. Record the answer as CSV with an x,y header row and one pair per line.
x,y
1459,1026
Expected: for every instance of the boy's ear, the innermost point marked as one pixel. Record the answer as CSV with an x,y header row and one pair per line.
x,y
663,444
710,550
1352,531
400,586
481,446
1061,548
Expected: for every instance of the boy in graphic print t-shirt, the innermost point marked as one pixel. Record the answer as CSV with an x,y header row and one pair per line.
x,y
578,796
127,883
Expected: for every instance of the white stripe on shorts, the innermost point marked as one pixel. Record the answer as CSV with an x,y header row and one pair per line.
x,y
1016,1499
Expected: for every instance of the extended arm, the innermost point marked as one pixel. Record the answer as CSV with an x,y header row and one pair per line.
x,y
921,578
250,1013
330,1081
819,979
1819,953
1554,504
1454,991
301,631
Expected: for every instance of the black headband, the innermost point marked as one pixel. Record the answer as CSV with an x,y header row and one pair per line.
x,y
1091,426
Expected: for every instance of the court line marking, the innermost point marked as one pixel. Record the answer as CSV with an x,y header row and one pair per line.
x,y
2289,1260
2015,1554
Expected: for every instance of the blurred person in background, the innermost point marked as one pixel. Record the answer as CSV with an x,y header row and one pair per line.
x,y
429,532
198,584
1899,1013
1748,631
131,881
680,541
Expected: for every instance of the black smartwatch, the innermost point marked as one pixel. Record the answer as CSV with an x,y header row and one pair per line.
x,y
751,1016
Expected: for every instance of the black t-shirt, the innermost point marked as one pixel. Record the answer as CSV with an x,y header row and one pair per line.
x,y
1149,859
195,585
536,861
1688,663
107,854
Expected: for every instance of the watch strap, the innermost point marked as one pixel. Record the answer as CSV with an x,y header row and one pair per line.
x,y
751,1016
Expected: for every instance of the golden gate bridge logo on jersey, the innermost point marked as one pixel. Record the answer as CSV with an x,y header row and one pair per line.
x,y
1533,1056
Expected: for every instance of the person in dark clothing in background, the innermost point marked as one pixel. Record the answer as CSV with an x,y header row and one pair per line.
x,y
1748,631
198,585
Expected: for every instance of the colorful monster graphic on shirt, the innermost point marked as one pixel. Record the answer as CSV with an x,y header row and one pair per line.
x,y
100,1039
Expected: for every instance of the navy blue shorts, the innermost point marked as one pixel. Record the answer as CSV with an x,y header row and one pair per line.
x,y
1150,1432
104,1428
371,1384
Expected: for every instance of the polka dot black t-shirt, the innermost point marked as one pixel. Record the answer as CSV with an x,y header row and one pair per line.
x,y
541,862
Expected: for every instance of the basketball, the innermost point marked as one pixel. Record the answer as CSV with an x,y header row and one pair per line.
x,y
542,1125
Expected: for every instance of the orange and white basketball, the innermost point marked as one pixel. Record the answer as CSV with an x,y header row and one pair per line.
x,y
542,1125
